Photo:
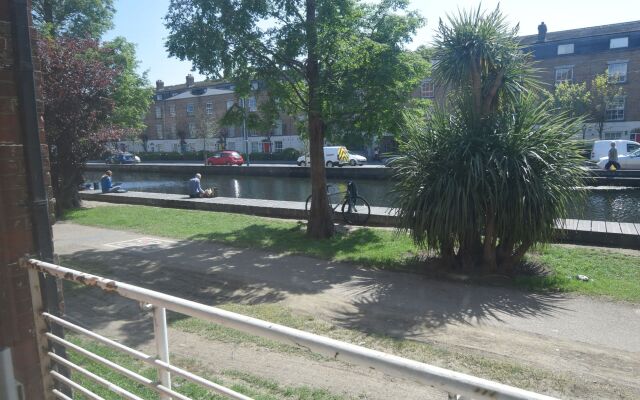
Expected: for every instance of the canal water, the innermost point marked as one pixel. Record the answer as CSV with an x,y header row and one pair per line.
x,y
606,203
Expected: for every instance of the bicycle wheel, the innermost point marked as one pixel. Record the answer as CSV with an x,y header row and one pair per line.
x,y
356,211
307,206
332,198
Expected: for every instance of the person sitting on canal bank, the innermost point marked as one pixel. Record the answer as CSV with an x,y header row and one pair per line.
x,y
107,184
196,191
613,158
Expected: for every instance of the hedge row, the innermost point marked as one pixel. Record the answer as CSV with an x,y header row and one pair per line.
x,y
288,154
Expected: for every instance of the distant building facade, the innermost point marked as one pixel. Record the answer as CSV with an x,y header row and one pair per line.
x,y
186,117
578,55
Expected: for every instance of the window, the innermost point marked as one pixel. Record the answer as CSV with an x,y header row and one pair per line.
x,y
617,71
232,131
209,108
190,108
426,89
159,131
255,147
230,104
277,131
192,129
253,106
172,130
564,74
158,112
231,146
631,147
172,110
565,49
618,43
277,146
159,97
612,135
615,109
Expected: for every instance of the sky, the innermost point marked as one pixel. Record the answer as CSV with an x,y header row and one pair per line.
x,y
142,22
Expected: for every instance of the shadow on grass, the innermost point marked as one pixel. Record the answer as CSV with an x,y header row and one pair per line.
x,y
294,241
391,303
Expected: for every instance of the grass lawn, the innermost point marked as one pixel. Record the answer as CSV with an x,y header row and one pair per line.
x,y
250,385
613,273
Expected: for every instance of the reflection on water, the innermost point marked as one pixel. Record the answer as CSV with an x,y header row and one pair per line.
x,y
251,187
611,204
603,203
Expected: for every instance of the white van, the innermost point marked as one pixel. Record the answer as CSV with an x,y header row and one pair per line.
x,y
333,155
601,148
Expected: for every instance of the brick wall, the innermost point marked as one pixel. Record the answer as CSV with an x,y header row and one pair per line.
x,y
16,236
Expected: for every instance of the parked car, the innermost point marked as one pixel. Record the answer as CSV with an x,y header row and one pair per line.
x,y
123,158
333,155
356,159
627,161
601,148
225,157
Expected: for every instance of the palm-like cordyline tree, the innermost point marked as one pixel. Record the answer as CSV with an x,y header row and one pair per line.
x,y
487,179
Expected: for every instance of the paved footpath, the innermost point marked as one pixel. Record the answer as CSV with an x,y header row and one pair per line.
x,y
549,330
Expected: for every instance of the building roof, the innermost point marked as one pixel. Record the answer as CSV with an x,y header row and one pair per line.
x,y
207,93
183,86
601,30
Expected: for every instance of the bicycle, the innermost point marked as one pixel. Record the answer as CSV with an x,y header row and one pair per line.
x,y
355,209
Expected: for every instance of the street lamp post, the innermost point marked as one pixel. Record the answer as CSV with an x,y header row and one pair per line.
x,y
245,134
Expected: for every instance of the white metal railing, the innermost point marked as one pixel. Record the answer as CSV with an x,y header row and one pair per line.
x,y
458,385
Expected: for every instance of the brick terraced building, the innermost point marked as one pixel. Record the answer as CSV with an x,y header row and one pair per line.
x,y
578,55
185,117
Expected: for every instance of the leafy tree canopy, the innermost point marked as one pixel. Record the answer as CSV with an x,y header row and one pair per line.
x,y
78,90
590,102
133,93
75,18
366,76
334,60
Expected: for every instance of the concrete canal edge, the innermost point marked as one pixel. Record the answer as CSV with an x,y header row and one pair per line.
x,y
285,171
595,233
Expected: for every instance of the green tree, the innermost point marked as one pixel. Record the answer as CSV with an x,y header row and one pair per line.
x,y
305,53
75,18
578,100
488,178
602,91
574,99
133,95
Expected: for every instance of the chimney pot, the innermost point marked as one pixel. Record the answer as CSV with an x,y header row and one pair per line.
x,y
190,80
159,84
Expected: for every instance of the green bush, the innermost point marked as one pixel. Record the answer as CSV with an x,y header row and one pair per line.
x,y
288,154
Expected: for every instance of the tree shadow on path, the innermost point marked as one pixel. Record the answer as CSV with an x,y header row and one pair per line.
x,y
386,302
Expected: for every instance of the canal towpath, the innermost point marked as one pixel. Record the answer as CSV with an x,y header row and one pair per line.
x,y
592,340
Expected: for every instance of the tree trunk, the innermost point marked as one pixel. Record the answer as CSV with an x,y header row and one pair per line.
x,y
320,224
489,247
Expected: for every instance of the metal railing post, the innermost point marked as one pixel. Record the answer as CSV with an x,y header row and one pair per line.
x,y
8,384
162,346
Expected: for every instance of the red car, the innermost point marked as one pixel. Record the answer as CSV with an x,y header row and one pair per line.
x,y
226,157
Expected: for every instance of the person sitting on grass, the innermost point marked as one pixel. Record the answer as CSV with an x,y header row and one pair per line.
x,y
107,184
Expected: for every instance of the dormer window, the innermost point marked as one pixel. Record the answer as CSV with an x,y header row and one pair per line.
x,y
619,43
565,49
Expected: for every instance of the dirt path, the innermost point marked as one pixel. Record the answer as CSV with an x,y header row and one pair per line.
x,y
593,345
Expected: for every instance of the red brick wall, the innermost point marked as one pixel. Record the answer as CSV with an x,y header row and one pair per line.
x,y
16,238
